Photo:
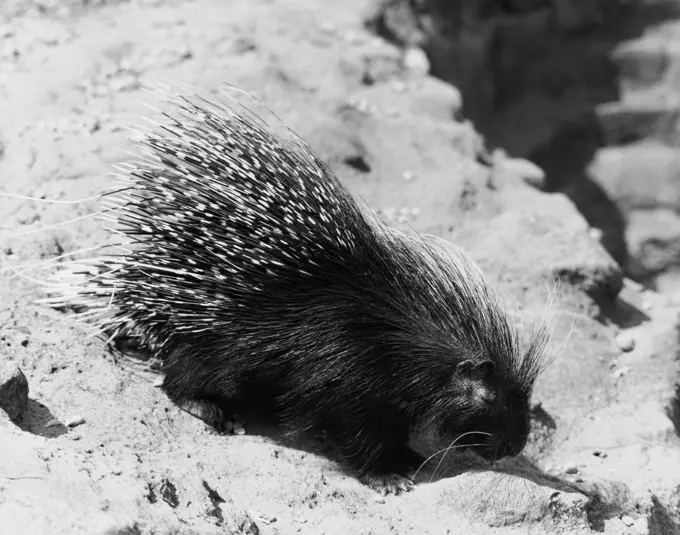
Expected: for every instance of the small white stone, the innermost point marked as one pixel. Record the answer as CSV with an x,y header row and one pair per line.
x,y
621,372
625,342
415,60
379,499
52,423
627,520
267,519
75,421
158,382
595,233
529,171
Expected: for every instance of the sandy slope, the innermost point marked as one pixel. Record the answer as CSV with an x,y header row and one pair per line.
x,y
604,455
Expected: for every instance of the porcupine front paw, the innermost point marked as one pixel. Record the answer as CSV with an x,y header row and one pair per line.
x,y
406,461
387,483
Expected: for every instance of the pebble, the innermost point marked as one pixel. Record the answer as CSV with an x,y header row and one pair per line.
x,y
267,519
634,285
238,429
621,372
415,60
158,382
525,169
571,468
75,421
595,233
52,423
379,499
600,454
627,520
625,342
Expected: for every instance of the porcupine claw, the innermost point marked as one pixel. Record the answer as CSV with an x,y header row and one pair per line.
x,y
210,413
388,483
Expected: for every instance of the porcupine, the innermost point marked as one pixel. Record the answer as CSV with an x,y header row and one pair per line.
x,y
254,274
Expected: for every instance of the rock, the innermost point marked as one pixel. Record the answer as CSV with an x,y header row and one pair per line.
x,y
75,421
571,468
648,115
237,520
381,67
625,342
529,171
654,241
642,62
618,171
554,245
627,520
13,390
416,61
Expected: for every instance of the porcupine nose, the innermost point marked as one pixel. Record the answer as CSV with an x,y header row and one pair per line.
x,y
512,442
511,448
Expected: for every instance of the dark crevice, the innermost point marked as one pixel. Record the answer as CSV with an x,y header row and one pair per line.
x,y
151,493
357,163
565,159
673,410
35,420
535,87
216,500
169,493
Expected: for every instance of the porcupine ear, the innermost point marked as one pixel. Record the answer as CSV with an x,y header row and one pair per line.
x,y
475,370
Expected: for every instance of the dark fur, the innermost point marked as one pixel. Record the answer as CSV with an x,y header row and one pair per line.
x,y
334,320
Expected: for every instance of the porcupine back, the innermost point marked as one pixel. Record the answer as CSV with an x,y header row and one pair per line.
x,y
249,259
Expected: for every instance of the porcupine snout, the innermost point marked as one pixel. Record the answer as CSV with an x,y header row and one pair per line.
x,y
509,442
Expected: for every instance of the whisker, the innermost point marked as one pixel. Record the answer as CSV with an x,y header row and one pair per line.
x,y
46,228
53,260
50,201
449,448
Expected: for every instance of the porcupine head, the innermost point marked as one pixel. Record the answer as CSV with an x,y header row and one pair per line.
x,y
253,272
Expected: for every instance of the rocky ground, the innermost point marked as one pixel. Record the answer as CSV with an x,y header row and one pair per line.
x,y
90,446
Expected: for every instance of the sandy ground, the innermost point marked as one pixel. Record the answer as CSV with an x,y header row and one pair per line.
x,y
99,449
